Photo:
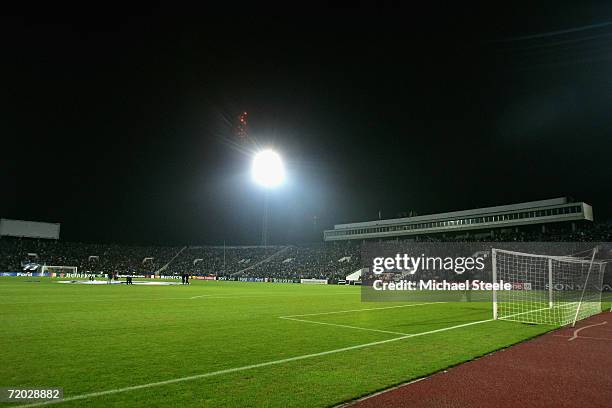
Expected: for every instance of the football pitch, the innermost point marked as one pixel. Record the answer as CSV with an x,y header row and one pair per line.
x,y
223,344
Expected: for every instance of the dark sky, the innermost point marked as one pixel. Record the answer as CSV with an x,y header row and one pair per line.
x,y
122,128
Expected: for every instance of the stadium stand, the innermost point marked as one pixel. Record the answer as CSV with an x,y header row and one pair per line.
x,y
329,260
319,261
93,258
218,260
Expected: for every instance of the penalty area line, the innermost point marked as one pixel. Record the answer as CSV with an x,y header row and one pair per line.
x,y
359,310
343,325
244,368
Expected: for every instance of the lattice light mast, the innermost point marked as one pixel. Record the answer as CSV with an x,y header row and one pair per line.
x,y
242,127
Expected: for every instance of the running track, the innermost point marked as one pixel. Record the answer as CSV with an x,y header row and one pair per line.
x,y
569,367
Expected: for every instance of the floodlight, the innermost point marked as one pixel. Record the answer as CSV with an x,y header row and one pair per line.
x,y
267,169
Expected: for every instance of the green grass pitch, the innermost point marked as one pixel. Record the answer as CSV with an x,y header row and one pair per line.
x,y
89,339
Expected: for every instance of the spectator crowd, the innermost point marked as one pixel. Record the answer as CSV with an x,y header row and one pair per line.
x,y
330,260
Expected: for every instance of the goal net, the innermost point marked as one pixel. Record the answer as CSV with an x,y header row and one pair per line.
x,y
50,269
555,290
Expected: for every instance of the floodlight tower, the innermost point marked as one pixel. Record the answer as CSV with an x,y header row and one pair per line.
x,y
242,127
267,171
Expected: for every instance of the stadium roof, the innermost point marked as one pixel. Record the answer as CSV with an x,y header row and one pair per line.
x,y
511,215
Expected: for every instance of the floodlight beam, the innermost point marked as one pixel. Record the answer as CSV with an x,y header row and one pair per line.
x,y
267,169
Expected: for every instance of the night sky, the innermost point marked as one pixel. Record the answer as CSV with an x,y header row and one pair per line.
x,y
122,129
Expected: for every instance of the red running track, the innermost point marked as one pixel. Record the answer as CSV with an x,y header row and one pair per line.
x,y
569,367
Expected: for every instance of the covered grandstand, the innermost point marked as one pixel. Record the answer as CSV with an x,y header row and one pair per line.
x,y
480,221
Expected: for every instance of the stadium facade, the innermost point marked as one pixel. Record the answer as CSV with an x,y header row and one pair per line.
x,y
480,221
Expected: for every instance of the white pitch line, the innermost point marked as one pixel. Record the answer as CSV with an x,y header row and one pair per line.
x,y
359,310
522,313
575,336
343,325
244,368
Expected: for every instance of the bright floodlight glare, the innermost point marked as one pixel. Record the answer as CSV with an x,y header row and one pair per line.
x,y
268,170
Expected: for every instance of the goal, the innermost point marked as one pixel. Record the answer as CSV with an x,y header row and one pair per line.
x,y
555,290
50,269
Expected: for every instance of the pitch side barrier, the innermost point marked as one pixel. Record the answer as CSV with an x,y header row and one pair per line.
x,y
254,279
540,282
44,274
24,274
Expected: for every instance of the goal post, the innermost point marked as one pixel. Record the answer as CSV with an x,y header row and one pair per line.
x,y
494,278
550,283
546,289
584,288
57,269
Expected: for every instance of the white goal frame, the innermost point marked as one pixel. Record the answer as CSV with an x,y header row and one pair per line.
x,y
61,268
546,289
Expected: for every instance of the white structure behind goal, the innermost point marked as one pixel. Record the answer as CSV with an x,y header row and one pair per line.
x,y
555,290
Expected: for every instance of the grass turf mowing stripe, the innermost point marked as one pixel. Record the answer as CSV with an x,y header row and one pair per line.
x,y
248,367
158,299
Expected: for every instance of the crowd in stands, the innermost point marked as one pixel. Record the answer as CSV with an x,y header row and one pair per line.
x,y
586,233
88,258
218,260
331,260
334,261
